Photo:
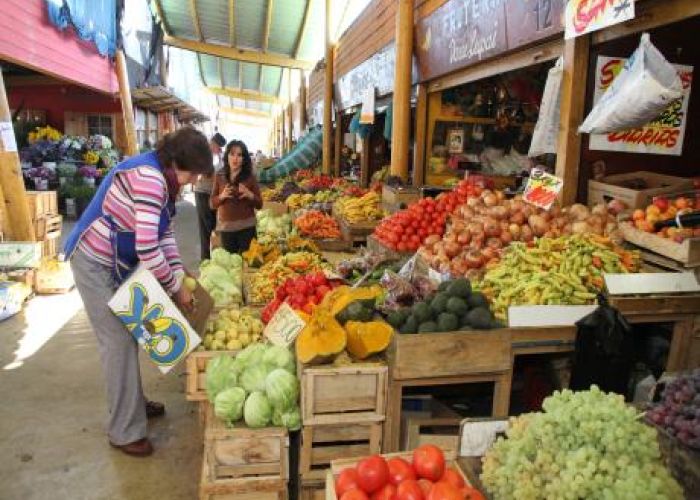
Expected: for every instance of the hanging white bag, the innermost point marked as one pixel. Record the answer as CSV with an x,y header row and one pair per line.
x,y
546,133
646,86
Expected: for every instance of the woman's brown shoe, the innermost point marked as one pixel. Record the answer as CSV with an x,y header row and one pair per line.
x,y
140,448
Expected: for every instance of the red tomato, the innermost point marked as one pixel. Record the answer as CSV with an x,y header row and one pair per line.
x,y
401,247
322,290
454,478
470,493
425,485
429,462
388,492
399,470
409,490
372,473
354,495
347,480
443,490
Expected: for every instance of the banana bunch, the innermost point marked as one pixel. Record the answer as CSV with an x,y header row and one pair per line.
x,y
270,194
297,200
365,208
325,196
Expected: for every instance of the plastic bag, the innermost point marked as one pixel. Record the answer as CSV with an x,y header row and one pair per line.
x,y
604,350
546,133
645,87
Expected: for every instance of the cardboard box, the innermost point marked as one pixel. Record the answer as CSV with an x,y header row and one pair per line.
x,y
53,277
622,187
15,254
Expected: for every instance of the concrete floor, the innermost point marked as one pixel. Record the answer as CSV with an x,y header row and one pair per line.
x,y
53,443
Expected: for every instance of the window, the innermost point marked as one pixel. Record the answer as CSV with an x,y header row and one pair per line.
x,y
100,124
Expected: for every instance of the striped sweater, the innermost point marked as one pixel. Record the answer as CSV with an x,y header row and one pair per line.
x,y
135,201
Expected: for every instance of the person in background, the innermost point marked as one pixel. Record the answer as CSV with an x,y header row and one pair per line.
x,y
206,217
128,221
235,197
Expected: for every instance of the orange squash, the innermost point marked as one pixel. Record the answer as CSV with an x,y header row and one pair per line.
x,y
367,338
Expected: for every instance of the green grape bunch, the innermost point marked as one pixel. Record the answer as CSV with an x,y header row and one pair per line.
x,y
584,445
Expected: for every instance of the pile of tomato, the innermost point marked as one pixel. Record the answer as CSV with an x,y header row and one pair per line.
x,y
301,293
425,478
407,229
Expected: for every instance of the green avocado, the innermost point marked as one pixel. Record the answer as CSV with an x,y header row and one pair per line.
x,y
410,326
439,303
428,327
443,286
356,311
457,306
464,320
421,311
459,288
477,299
397,318
480,318
447,322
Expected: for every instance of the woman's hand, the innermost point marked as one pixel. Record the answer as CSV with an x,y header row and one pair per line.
x,y
226,193
184,298
245,192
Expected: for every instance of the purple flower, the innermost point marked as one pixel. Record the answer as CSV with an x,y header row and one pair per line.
x,y
88,171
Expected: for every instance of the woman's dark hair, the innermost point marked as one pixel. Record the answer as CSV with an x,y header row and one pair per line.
x,y
246,168
189,149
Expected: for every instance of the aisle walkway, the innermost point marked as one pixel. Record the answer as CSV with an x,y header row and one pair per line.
x,y
52,409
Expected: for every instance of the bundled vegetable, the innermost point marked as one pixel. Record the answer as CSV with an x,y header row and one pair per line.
x,y
317,225
232,330
274,226
221,277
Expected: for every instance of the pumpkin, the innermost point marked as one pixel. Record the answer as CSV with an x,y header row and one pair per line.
x,y
367,338
346,295
321,340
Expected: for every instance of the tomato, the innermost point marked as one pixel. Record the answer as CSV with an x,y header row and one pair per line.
x,y
425,485
318,279
399,470
388,492
469,493
442,490
429,462
347,480
661,203
453,477
322,290
354,495
401,247
372,473
409,490
410,230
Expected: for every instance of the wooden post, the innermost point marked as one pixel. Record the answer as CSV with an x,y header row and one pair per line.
x,y
338,142
364,162
402,90
283,131
328,94
420,136
17,219
302,102
573,101
290,111
127,109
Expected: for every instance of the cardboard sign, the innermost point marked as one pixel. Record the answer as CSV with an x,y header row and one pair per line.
x,y
542,188
7,137
664,135
648,283
284,326
153,319
547,315
585,16
203,305
20,254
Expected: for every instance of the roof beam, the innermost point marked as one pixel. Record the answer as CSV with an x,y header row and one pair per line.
x,y
247,112
247,124
221,71
199,66
238,54
302,30
231,23
195,20
161,15
245,94
268,23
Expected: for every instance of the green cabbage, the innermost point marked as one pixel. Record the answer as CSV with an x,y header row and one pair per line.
x,y
282,388
251,355
228,404
257,411
253,378
279,357
220,375
276,417
291,419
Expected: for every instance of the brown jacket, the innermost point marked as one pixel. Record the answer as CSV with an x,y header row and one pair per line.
x,y
235,214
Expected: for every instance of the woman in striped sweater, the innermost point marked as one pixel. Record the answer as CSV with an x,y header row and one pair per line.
x,y
127,222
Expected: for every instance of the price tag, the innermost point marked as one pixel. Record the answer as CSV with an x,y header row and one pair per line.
x,y
7,137
542,188
284,326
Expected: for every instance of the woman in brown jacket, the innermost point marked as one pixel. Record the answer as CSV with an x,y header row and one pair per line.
x,y
235,197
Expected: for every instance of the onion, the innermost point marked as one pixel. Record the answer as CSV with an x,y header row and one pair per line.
x,y
600,209
489,253
451,238
475,228
610,228
432,239
518,218
458,225
494,243
526,233
474,260
464,237
500,195
491,227
555,210
528,210
466,212
452,249
538,224
506,237
559,222
517,204
498,212
473,202
545,215
477,242
567,229
580,228
515,231
490,200
616,206
579,212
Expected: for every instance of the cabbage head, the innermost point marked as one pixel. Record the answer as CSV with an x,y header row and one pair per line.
x,y
257,411
251,355
220,375
291,419
276,417
228,405
253,378
282,389
279,357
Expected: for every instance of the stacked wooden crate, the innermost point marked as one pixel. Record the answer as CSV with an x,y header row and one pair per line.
x,y
343,410
48,224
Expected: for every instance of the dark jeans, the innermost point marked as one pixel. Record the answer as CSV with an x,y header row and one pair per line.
x,y
237,241
207,222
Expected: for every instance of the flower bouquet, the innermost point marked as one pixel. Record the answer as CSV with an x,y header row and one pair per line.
x,y
88,173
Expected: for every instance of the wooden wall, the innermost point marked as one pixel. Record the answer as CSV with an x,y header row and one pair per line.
x,y
315,91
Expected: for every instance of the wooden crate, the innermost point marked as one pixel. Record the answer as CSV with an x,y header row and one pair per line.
x,y
53,280
339,245
321,444
687,253
47,226
355,393
615,187
375,246
245,458
50,246
42,203
682,462
432,423
397,196
431,355
313,489
196,373
356,232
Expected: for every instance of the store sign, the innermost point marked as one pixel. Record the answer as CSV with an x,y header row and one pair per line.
x,y
585,16
542,188
664,135
532,20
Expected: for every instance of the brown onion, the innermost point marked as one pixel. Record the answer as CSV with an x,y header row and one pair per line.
x,y
515,231
476,228
498,212
526,233
474,260
506,237
518,218
580,227
600,209
555,210
538,224
464,237
490,200
432,239
489,253
491,227
579,212
452,249
494,242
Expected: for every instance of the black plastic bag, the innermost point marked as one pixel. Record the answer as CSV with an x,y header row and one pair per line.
x,y
604,350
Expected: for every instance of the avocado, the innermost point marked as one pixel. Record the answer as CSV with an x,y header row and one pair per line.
x,y
459,288
477,299
410,326
439,303
427,327
480,318
443,286
447,322
397,318
421,311
457,306
356,311
464,320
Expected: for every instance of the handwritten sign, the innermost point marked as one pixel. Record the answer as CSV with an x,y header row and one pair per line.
x,y
664,135
585,16
284,326
542,188
7,137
